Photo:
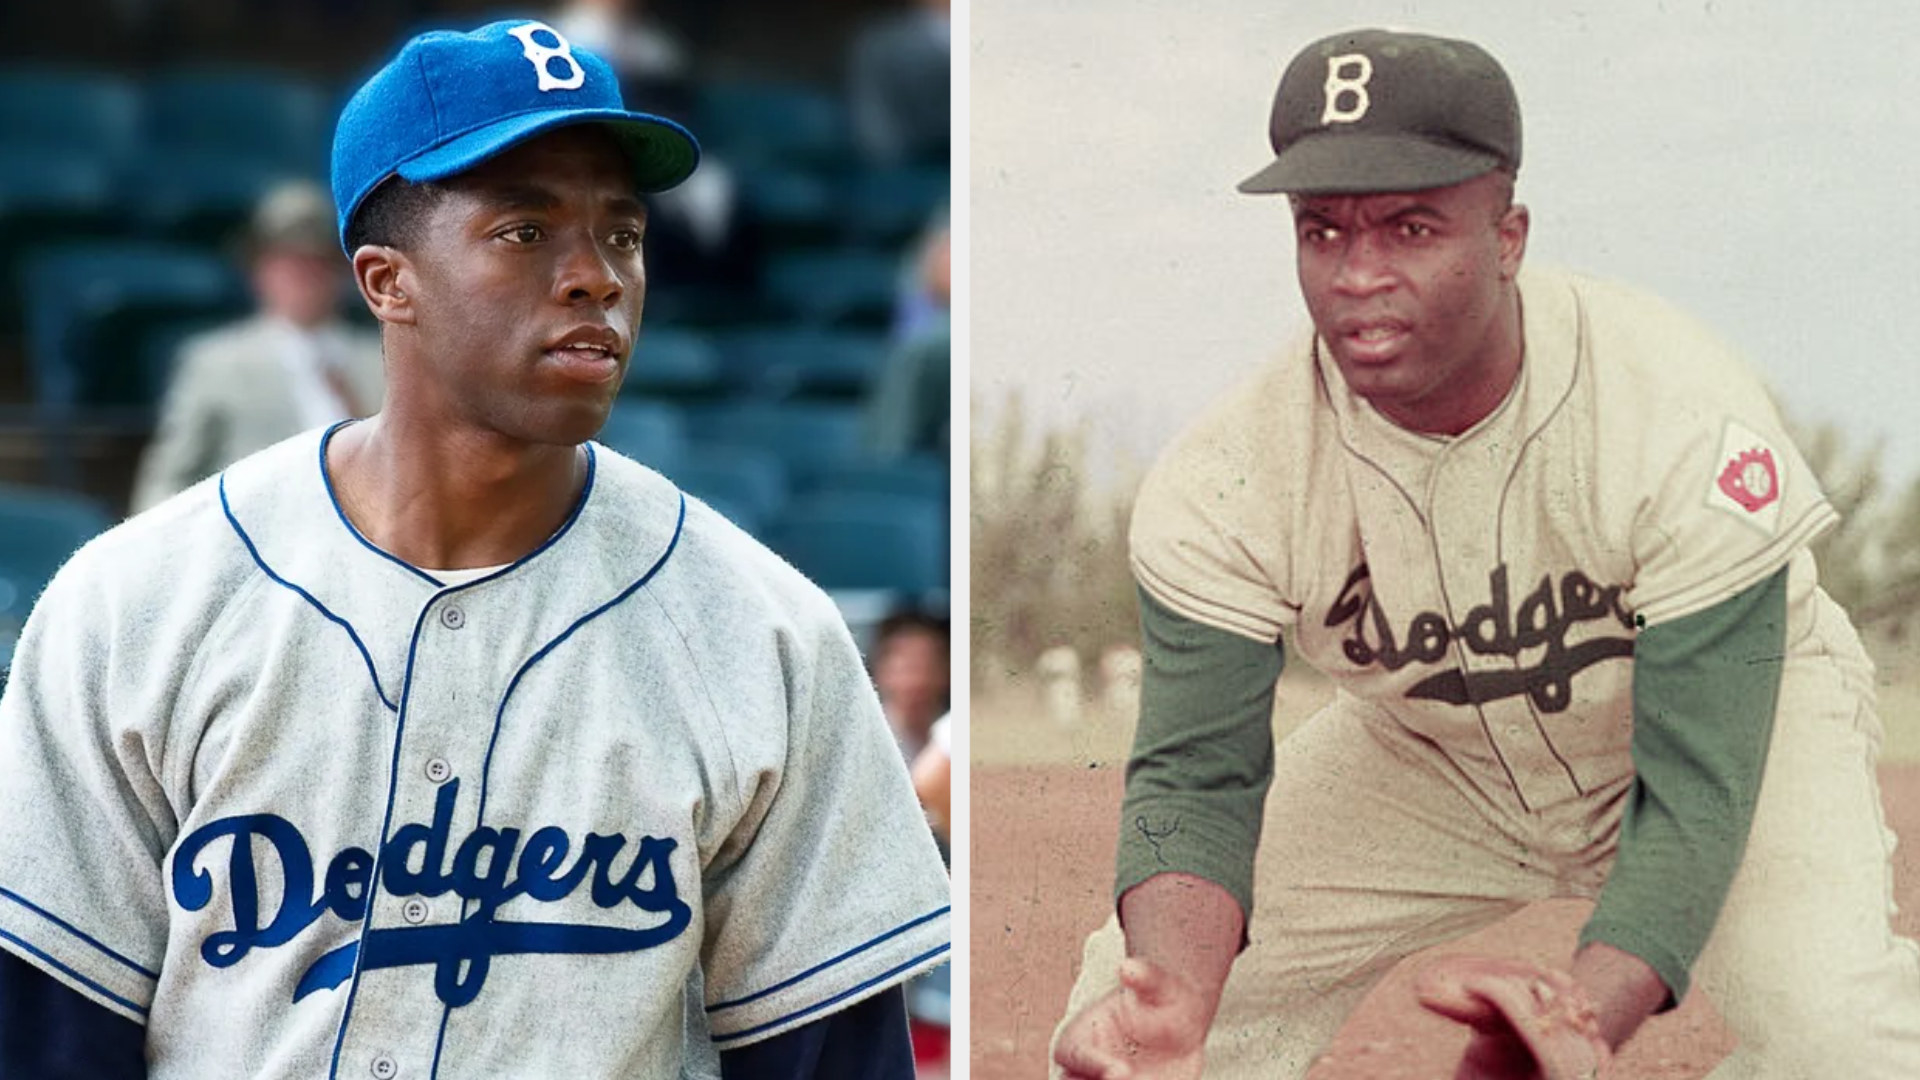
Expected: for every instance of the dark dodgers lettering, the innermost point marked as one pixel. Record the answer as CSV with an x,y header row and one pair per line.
x,y
489,868
1541,622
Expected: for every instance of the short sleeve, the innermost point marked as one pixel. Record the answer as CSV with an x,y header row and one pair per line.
x,y
84,822
1734,502
830,888
1210,532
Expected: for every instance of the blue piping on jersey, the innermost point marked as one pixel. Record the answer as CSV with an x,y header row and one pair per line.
x,y
77,932
304,595
91,985
825,964
500,716
326,482
835,999
386,823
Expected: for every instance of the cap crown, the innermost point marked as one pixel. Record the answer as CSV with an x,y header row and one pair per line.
x,y
1417,111
449,100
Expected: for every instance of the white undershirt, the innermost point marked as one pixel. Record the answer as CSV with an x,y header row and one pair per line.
x,y
461,577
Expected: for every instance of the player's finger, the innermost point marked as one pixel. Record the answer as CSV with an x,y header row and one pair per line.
x,y
1149,982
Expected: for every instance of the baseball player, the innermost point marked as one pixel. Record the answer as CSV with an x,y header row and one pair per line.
x,y
448,743
1549,540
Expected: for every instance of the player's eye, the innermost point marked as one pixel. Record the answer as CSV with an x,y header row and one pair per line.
x,y
524,233
1415,230
1319,235
625,239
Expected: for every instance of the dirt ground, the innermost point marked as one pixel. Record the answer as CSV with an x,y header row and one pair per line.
x,y
1042,843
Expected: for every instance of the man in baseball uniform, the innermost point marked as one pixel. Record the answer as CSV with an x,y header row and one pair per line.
x,y
448,743
1549,540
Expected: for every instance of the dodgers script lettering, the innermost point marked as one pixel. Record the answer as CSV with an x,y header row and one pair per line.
x,y
489,868
1534,633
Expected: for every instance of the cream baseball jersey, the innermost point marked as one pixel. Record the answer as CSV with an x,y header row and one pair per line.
x,y
1487,589
305,810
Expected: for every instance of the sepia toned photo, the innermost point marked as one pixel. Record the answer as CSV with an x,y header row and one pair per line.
x,y
1444,514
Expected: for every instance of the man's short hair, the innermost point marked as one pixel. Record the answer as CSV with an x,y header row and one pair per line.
x,y
393,214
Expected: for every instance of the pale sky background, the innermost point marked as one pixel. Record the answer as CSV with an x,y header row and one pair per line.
x,y
1752,162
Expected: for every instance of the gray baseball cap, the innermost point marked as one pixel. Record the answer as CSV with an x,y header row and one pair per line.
x,y
1380,110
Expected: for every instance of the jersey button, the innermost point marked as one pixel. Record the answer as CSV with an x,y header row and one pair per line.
x,y
415,910
438,770
452,617
384,1068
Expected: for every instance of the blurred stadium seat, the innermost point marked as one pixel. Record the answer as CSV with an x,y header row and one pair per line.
x,y
922,476
809,437
244,115
670,362
89,307
38,530
751,479
49,197
653,433
792,206
866,541
842,287
196,197
891,206
757,123
789,362
64,134
73,110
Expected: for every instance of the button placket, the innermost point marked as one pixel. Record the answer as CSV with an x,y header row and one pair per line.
x,y
452,617
438,770
384,1068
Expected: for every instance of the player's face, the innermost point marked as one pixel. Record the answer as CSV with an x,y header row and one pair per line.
x,y
1410,292
531,285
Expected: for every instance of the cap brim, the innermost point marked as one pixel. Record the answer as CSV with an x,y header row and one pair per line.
x,y
662,152
1350,164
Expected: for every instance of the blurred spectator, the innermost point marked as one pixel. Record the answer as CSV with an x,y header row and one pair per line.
x,y
930,996
655,69
933,778
291,366
699,234
910,671
898,86
909,409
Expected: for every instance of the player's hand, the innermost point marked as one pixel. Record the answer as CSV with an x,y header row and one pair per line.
x,y
1529,1023
1153,1026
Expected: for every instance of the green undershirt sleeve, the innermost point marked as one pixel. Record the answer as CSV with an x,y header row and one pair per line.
x,y
1202,754
1704,692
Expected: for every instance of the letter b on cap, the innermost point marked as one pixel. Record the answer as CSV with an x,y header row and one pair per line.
x,y
540,55
1347,77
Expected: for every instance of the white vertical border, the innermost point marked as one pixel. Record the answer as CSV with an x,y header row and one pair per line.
x,y
959,452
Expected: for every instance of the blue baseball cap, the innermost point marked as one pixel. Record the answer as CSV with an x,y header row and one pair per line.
x,y
450,101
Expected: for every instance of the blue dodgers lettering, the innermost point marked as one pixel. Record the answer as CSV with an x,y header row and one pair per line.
x,y
489,868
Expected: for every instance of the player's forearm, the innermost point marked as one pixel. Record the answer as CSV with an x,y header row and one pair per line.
x,y
1187,925
1625,989
1202,754
1705,690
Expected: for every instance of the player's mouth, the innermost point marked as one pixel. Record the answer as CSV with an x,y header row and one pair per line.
x,y
588,354
1371,341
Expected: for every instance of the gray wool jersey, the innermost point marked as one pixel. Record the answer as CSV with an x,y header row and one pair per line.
x,y
304,810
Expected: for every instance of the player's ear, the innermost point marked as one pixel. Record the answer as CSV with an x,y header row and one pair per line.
x,y
383,274
1513,227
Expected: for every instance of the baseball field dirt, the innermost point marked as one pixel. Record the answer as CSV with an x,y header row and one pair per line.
x,y
1042,844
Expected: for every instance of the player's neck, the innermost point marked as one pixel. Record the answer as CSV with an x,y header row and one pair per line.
x,y
1460,406
451,498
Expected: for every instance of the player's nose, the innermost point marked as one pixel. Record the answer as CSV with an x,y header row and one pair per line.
x,y
1365,266
587,273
